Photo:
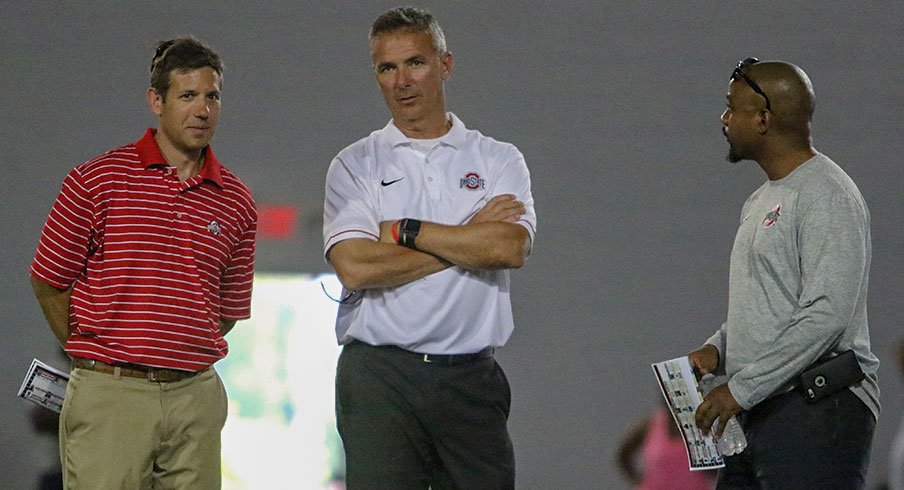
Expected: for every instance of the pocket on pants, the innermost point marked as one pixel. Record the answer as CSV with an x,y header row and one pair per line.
x,y
224,400
69,414
507,389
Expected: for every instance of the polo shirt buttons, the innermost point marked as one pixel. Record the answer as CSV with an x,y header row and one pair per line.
x,y
432,179
179,214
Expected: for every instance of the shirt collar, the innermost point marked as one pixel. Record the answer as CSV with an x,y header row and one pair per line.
x,y
455,137
149,155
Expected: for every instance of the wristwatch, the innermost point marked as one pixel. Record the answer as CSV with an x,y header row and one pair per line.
x,y
408,230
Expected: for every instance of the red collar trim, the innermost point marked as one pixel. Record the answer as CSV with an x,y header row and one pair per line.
x,y
149,154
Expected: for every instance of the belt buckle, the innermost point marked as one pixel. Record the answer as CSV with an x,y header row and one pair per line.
x,y
151,376
83,363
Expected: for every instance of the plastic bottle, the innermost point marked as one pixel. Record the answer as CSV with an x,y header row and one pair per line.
x,y
733,440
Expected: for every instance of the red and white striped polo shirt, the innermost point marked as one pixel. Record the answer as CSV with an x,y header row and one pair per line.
x,y
153,263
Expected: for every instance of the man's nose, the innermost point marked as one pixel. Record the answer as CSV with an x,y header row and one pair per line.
x,y
202,110
403,77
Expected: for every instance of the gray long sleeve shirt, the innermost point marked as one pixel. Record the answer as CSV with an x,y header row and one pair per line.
x,y
798,284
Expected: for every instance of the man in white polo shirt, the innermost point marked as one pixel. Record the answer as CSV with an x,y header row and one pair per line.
x,y
422,221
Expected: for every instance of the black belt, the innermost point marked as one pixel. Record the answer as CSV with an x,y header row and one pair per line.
x,y
441,359
453,359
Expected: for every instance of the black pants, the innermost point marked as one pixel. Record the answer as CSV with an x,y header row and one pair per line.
x,y
793,444
407,424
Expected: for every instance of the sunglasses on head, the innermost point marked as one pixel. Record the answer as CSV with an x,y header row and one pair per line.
x,y
160,50
739,73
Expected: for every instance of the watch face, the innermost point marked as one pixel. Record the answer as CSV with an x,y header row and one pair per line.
x,y
412,226
409,229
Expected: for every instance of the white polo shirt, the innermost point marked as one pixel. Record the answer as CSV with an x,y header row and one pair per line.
x,y
383,177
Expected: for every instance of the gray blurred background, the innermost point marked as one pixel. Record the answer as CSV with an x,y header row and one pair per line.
x,y
615,106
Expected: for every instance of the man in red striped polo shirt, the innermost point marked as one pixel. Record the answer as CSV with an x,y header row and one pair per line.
x,y
145,263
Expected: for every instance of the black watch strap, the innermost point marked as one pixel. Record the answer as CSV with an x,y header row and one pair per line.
x,y
408,230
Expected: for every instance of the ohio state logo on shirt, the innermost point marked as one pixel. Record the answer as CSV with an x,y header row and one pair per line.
x,y
772,216
472,181
214,228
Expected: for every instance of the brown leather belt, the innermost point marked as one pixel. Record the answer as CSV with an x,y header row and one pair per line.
x,y
156,375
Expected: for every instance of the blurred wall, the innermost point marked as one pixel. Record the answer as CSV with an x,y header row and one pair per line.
x,y
615,106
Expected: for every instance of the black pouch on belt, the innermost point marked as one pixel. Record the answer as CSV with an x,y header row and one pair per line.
x,y
827,377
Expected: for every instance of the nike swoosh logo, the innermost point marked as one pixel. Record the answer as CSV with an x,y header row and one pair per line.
x,y
386,184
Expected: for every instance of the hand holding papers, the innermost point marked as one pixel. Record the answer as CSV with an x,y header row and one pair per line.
x,y
679,387
44,385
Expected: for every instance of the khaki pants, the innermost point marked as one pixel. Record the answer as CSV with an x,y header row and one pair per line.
x,y
119,432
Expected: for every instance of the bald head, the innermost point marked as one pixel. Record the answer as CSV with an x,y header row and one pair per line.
x,y
790,95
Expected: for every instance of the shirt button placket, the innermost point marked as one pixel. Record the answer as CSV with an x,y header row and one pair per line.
x,y
175,189
432,180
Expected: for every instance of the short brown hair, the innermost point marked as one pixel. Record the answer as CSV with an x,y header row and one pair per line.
x,y
410,19
181,54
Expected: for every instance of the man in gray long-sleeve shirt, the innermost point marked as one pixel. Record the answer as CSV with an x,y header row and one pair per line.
x,y
797,295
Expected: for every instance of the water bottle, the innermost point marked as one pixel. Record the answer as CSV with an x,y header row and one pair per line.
x,y
733,440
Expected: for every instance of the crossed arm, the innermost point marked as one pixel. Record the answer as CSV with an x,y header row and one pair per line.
x,y
489,240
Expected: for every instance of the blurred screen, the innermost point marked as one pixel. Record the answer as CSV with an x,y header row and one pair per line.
x,y
279,374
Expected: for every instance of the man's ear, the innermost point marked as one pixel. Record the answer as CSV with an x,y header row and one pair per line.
x,y
764,121
155,101
448,62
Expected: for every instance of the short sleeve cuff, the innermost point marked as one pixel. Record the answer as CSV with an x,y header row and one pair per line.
x,y
346,234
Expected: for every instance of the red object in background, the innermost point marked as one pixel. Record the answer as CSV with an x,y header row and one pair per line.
x,y
276,222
